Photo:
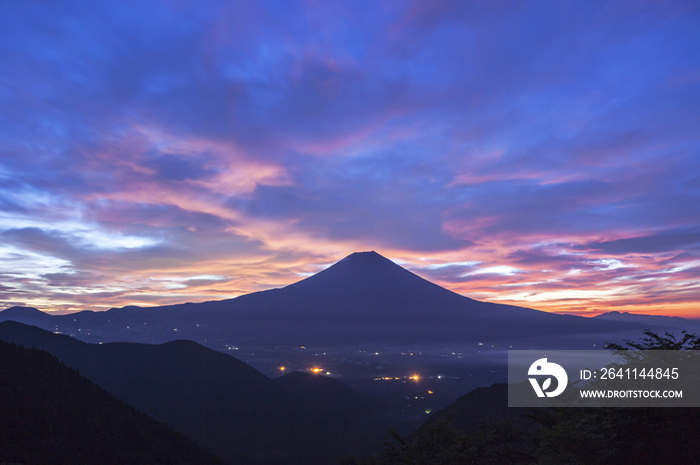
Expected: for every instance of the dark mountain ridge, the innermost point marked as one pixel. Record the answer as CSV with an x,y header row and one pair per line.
x,y
27,315
51,414
329,394
466,413
230,407
653,320
363,298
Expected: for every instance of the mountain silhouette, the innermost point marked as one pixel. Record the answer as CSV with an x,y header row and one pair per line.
x,y
482,403
363,298
51,414
669,322
27,315
330,395
226,405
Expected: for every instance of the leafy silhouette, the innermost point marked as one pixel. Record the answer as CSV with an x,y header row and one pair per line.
x,y
591,436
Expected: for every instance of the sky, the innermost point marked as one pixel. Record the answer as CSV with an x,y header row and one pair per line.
x,y
542,154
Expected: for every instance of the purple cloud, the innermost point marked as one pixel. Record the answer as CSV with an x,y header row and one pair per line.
x,y
161,151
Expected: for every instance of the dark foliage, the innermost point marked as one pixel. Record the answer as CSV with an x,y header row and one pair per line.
x,y
621,436
466,412
496,441
667,341
590,436
624,435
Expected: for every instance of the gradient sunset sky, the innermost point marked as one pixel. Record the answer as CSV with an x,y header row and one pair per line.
x,y
543,154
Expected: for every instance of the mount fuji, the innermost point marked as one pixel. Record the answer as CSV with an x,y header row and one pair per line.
x,y
362,298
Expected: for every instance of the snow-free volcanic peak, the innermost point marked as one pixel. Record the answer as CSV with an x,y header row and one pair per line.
x,y
369,280
362,298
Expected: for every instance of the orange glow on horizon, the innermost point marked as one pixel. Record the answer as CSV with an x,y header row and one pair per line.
x,y
599,286
169,202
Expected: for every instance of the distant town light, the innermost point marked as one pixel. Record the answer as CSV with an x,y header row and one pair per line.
x,y
282,368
